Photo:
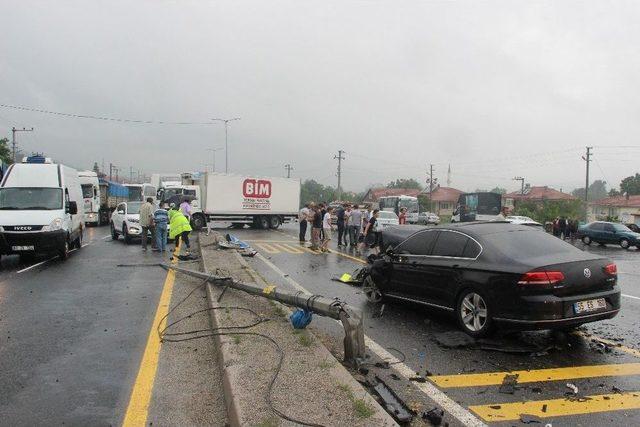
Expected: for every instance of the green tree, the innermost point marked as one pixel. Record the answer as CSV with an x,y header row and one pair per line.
x,y
405,183
614,192
549,210
5,151
313,191
631,185
597,190
498,190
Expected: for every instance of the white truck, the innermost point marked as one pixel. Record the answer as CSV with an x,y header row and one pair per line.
x,y
41,208
261,202
140,192
91,194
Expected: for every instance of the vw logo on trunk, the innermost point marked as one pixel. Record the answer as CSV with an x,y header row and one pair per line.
x,y
587,273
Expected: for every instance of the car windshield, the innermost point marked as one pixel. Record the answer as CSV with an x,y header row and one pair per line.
x,y
87,191
133,208
135,193
30,198
527,244
621,227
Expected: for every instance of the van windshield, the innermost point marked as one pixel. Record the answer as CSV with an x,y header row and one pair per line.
x,y
28,198
87,191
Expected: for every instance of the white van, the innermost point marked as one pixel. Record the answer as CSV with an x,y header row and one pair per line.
x,y
41,209
91,195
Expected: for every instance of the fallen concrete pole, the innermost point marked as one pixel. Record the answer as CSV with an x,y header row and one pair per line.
x,y
351,318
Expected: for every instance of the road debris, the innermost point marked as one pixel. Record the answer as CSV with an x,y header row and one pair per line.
x,y
509,384
434,416
573,388
530,419
392,403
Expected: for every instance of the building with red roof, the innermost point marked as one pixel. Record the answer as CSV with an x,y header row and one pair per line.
x,y
625,208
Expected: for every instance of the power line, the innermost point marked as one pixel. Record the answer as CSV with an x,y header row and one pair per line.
x,y
107,119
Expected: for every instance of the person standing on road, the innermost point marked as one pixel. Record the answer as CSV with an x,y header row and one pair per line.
x,y
340,222
302,219
179,227
327,228
146,220
563,227
355,225
161,220
347,225
402,218
316,227
371,233
185,208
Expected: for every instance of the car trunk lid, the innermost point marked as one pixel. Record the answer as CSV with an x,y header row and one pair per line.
x,y
582,277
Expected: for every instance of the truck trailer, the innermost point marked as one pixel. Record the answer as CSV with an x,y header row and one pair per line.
x,y
111,194
261,202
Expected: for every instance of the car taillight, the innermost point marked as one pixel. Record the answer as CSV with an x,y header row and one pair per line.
x,y
611,269
541,278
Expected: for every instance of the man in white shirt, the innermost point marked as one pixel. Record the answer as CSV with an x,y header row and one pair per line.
x,y
302,219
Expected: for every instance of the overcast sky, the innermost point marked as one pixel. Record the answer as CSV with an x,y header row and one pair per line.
x,y
494,88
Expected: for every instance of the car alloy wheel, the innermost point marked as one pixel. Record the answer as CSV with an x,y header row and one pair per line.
x,y
586,240
371,290
473,313
114,234
624,244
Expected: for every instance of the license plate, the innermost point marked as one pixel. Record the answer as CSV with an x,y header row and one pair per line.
x,y
589,305
22,248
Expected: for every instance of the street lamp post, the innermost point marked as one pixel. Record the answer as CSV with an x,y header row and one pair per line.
x,y
213,150
226,141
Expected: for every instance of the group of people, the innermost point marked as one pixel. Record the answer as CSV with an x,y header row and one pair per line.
x,y
158,222
564,228
357,228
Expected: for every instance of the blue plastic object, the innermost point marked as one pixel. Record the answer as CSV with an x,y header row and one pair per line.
x,y
300,319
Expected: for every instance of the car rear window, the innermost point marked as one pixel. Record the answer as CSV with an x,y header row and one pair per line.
x,y
527,244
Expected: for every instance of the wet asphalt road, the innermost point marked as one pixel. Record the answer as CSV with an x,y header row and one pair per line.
x,y
433,345
73,334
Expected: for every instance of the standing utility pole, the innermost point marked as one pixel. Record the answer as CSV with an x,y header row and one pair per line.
x,y
340,159
110,171
431,181
521,179
289,169
226,141
130,174
213,165
13,139
586,185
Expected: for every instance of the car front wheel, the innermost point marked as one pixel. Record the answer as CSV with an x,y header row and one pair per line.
x,y
371,290
114,233
586,240
125,233
473,314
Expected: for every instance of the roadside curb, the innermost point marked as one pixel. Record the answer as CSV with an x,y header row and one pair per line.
x,y
230,369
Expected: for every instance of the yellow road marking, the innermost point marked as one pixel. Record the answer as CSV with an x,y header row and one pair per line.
x,y
268,248
361,261
288,248
558,407
537,375
613,344
138,407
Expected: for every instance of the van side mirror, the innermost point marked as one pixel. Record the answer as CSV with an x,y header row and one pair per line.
x,y
72,208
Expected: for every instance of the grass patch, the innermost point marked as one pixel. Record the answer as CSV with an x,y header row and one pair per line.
x,y
305,340
360,407
325,364
268,422
279,311
237,339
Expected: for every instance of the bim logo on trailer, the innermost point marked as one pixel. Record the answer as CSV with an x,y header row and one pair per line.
x,y
256,194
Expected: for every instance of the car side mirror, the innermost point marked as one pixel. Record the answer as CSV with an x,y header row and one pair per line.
x,y
72,208
121,212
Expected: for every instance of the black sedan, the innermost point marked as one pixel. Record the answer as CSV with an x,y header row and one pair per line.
x,y
494,273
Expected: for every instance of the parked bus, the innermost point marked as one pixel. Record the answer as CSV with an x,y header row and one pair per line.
x,y
478,207
395,203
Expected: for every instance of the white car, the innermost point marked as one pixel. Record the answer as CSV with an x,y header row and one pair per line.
x,y
428,218
125,221
522,220
387,219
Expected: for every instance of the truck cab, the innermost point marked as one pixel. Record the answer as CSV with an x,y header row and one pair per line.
x,y
91,195
41,208
140,192
198,220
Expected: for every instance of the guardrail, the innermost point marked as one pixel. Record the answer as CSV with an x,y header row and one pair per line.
x,y
351,318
